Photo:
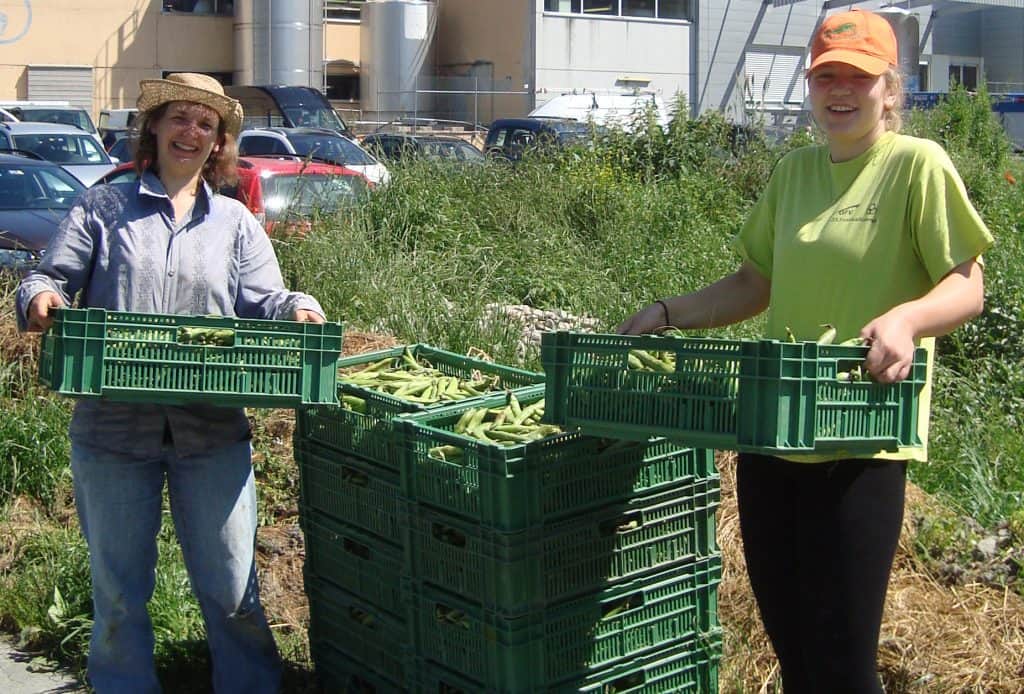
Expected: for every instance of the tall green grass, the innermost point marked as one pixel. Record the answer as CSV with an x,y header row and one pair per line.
x,y
601,231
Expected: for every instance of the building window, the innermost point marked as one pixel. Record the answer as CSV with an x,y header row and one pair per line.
x,y
225,78
772,77
638,8
922,77
225,8
608,7
342,10
966,75
660,9
343,87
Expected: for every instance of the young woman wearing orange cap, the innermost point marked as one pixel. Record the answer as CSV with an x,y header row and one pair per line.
x,y
872,233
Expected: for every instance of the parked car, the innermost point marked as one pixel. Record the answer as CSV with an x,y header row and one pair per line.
x,y
78,152
318,144
115,124
65,115
34,196
123,148
287,106
62,115
510,138
397,146
284,191
604,109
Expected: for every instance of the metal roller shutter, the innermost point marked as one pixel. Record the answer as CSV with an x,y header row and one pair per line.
x,y
69,83
774,78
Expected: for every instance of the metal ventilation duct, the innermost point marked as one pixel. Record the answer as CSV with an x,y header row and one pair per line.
x,y
279,42
908,37
396,48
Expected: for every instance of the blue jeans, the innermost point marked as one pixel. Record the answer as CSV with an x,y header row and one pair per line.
x,y
213,505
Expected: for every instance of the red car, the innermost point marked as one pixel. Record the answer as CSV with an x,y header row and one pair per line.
x,y
283,191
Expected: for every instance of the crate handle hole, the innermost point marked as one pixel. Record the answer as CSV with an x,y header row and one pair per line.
x,y
361,686
614,608
361,616
637,679
851,371
448,535
204,336
356,548
625,524
354,477
450,615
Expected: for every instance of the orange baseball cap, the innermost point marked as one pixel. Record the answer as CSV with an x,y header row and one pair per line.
x,y
858,38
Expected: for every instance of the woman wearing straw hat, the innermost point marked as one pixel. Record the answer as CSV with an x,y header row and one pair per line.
x,y
873,233
167,243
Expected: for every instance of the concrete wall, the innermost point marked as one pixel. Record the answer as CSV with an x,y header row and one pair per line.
x,y
341,41
481,44
726,31
1003,47
597,53
122,40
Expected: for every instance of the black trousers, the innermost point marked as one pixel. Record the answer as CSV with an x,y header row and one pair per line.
x,y
819,541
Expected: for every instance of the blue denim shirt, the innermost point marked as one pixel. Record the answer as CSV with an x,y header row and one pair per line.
x,y
121,247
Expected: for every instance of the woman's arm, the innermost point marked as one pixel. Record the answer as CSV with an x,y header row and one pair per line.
x,y
954,300
733,298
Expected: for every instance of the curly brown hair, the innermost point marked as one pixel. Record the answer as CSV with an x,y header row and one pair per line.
x,y
219,170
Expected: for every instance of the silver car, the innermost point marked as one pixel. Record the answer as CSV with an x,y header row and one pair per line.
x,y
78,152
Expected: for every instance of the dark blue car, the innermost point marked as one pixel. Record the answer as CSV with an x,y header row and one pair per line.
x,y
34,197
510,138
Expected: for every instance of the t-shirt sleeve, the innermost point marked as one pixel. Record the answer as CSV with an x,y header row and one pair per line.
x,y
755,242
947,229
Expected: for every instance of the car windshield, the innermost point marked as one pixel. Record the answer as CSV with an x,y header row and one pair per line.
x,y
305,194
332,148
63,149
37,187
74,117
460,151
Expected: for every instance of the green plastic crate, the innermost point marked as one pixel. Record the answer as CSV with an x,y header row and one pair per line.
x,y
565,643
352,490
355,643
140,357
686,667
513,573
339,672
371,434
513,488
749,395
683,667
355,561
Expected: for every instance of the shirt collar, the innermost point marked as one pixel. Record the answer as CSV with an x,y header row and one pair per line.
x,y
149,184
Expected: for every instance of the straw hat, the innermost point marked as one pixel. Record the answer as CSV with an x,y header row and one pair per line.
x,y
191,86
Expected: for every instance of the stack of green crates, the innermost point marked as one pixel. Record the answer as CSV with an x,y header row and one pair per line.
x,y
570,563
354,512
560,564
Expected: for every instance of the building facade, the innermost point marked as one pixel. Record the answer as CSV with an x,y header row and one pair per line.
x,y
491,58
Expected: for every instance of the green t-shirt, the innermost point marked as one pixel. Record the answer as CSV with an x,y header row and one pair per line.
x,y
844,243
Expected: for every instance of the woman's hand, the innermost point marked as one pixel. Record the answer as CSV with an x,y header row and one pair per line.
x,y
890,338
646,321
39,312
304,315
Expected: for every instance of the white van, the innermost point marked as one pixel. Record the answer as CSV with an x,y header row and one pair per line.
x,y
603,109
